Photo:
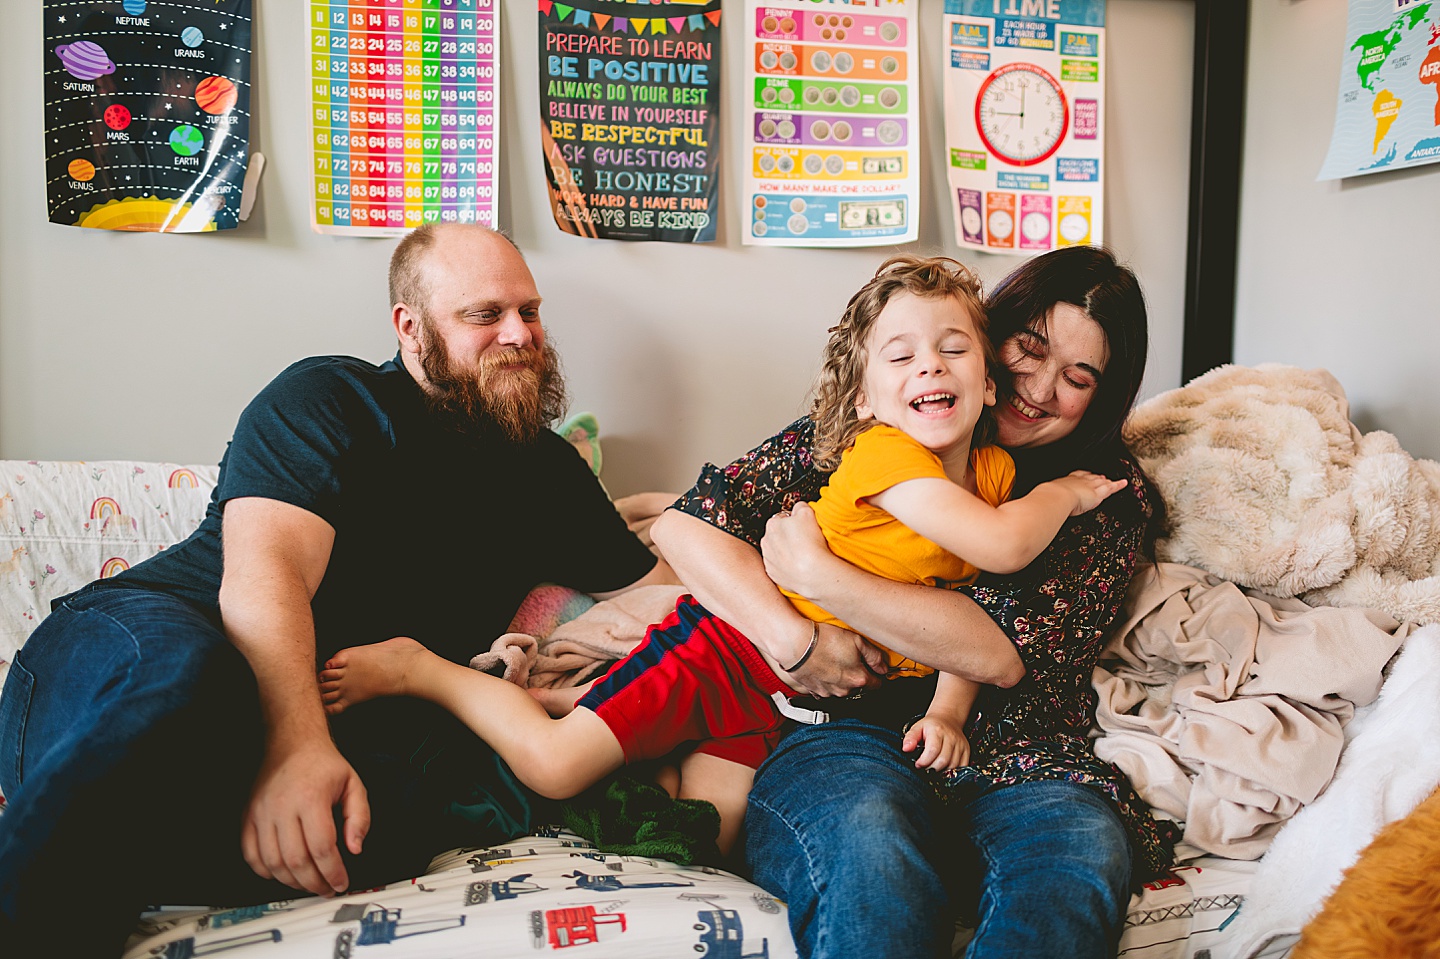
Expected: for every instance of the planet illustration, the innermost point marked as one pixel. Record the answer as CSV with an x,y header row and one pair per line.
x,y
215,95
192,37
134,7
117,117
148,214
82,170
186,141
84,60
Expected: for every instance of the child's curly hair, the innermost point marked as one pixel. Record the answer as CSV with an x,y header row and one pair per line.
x,y
842,370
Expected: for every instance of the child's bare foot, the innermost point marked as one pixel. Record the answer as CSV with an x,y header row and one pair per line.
x,y
359,673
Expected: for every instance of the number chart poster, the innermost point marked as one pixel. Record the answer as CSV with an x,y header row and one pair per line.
x,y
1025,123
147,113
1387,116
831,123
630,118
405,113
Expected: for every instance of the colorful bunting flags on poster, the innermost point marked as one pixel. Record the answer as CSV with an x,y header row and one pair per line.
x,y
630,118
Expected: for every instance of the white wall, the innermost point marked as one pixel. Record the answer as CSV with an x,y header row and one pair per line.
x,y
147,346
1339,274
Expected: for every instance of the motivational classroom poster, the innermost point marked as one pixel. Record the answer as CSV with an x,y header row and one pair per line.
x,y
1025,123
147,113
405,113
831,123
630,118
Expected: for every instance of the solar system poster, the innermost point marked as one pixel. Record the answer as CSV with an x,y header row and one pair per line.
x,y
832,123
1025,123
630,118
147,113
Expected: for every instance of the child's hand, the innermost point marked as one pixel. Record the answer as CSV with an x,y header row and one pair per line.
x,y
1089,489
946,747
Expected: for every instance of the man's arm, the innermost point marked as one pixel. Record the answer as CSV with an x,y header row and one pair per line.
x,y
275,557
727,575
660,574
938,627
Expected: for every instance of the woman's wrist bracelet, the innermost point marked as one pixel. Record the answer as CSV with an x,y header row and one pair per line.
x,y
805,656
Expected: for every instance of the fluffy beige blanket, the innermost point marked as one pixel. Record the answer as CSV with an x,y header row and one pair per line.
x,y
1269,485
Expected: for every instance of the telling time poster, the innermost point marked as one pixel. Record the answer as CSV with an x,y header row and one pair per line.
x,y
147,113
1025,123
404,98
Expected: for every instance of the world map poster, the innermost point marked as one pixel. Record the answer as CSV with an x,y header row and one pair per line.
x,y
147,113
1387,115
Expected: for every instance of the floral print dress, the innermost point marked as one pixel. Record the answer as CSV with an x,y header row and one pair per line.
x,y
1056,611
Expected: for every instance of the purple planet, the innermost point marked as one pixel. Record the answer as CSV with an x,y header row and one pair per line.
x,y
84,60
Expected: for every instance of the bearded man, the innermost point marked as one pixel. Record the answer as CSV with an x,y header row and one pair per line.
x,y
165,725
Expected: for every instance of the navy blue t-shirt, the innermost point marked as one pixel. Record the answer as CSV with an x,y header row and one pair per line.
x,y
438,534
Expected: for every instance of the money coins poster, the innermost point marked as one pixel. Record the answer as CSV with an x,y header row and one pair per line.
x,y
404,104
832,123
630,118
1025,123
147,113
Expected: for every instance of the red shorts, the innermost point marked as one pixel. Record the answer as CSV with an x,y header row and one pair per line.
x,y
694,679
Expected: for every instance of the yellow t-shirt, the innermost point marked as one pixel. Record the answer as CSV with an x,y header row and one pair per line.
x,y
877,542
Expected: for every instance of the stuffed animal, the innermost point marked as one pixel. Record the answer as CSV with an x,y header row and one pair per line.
x,y
1388,904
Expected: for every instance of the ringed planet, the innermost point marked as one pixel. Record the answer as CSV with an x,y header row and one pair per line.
x,y
84,60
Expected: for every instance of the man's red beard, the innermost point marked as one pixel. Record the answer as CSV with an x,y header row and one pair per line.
x,y
520,391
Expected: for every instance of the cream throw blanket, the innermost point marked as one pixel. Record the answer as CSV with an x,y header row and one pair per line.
x,y
1270,486
1226,707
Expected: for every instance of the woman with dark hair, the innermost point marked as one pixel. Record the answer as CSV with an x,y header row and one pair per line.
x,y
1037,841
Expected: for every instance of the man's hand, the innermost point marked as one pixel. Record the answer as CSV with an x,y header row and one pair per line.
x,y
946,747
289,828
842,664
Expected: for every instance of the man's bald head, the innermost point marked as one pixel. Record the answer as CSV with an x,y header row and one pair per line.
x,y
409,280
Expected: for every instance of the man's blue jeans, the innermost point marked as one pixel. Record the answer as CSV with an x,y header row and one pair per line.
x,y
130,737
842,827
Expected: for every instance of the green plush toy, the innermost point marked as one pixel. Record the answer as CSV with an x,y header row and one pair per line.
x,y
583,432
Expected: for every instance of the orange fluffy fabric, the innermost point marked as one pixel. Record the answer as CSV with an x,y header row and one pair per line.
x,y
1387,906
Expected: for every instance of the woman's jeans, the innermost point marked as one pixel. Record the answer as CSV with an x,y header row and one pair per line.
x,y
130,738
843,828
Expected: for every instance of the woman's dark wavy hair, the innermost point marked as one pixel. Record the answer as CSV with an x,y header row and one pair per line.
x,y
1090,278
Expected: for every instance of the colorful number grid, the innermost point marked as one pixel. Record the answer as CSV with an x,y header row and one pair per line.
x,y
406,98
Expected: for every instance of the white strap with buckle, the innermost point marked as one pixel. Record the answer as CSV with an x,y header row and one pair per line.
x,y
810,717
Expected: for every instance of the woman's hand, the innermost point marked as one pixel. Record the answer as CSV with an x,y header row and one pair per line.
x,y
842,664
796,556
795,552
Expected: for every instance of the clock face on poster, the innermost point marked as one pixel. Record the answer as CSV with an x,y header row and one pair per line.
x,y
1022,114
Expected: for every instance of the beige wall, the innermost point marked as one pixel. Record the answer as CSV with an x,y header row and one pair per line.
x,y
1339,274
148,347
